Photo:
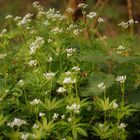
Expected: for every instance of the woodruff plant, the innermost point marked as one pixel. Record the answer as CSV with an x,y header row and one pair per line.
x,y
54,84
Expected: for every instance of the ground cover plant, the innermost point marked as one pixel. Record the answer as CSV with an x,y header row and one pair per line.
x,y
58,84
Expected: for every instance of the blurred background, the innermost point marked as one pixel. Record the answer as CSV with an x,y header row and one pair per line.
x,y
114,11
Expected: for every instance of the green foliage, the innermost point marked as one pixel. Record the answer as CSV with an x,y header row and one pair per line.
x,y
55,84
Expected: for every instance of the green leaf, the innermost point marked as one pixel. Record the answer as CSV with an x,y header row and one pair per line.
x,y
81,131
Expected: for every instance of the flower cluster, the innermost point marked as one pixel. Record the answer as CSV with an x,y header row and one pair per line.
x,y
61,90
70,51
121,79
20,82
91,15
16,122
122,50
101,86
32,63
36,44
69,80
74,107
35,102
49,75
128,23
26,19
2,55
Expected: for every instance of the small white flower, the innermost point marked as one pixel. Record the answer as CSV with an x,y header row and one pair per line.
x,y
46,23
32,63
82,5
35,102
50,59
69,80
77,31
24,136
61,90
100,20
49,75
9,17
123,24
17,18
69,119
68,73
56,30
131,21
55,116
101,125
16,122
35,126
121,48
121,79
74,107
70,51
2,55
63,117
50,40
122,125
101,86
70,10
4,31
115,105
41,114
75,68
91,15
20,82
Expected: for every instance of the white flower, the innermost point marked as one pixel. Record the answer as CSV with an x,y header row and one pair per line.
x,y
35,102
131,21
75,68
2,55
71,26
50,40
115,105
121,79
4,31
77,31
20,82
122,125
24,136
56,30
64,139
50,59
69,119
9,17
32,63
82,5
70,51
16,122
101,86
46,23
68,73
63,117
70,10
121,47
61,90
17,18
100,20
41,114
55,116
35,126
68,80
101,125
91,14
36,44
49,75
123,24
74,107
